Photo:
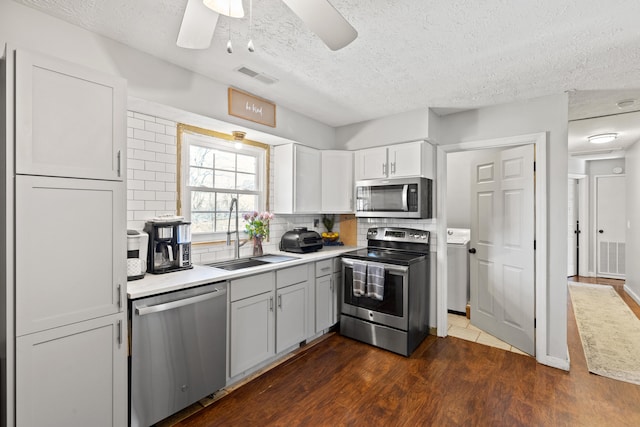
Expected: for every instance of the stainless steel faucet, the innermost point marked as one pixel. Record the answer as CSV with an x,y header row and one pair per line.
x,y
234,202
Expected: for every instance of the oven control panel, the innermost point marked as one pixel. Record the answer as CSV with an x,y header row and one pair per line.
x,y
397,234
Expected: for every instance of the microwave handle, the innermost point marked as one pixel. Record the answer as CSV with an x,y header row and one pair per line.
x,y
405,197
391,268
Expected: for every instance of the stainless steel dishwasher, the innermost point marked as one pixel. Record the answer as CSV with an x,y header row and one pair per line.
x,y
178,350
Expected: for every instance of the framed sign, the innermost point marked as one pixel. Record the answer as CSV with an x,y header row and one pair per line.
x,y
250,107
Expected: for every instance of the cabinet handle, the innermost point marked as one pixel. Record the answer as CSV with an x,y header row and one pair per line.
x,y
384,169
119,296
119,332
324,268
119,155
331,284
280,301
393,168
270,303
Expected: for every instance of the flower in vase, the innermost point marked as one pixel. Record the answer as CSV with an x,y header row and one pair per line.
x,y
257,224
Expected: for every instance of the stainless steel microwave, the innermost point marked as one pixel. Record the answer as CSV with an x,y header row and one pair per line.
x,y
394,198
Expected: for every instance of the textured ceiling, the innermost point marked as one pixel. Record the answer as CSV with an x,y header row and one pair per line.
x,y
449,54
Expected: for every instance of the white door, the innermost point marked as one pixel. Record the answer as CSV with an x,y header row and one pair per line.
x,y
371,163
502,234
291,327
610,227
572,236
405,159
307,179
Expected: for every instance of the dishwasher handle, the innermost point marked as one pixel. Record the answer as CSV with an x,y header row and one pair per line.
x,y
141,311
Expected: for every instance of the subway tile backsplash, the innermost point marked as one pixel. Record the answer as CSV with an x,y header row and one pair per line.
x,y
152,188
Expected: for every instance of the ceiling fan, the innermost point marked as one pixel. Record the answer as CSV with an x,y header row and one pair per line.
x,y
199,23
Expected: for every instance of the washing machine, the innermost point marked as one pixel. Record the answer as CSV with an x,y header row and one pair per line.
x,y
458,269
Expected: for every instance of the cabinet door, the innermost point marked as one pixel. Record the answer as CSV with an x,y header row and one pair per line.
x,y
74,375
337,181
70,120
324,306
70,251
307,180
371,163
405,159
335,297
291,316
252,332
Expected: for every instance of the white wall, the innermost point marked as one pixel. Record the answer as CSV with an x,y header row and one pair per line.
x,y
577,166
547,114
148,77
632,284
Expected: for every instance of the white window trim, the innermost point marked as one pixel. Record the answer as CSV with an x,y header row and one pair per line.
x,y
187,135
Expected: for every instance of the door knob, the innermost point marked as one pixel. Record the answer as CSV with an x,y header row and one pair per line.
x,y
472,250
600,231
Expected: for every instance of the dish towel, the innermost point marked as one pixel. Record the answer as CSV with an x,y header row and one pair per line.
x,y
359,278
375,281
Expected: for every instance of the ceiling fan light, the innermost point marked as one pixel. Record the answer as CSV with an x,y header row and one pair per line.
x,y
232,8
602,138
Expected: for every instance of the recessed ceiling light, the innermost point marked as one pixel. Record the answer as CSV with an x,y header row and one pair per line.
x,y
626,103
602,138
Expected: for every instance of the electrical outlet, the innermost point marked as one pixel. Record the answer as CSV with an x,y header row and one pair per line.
x,y
316,223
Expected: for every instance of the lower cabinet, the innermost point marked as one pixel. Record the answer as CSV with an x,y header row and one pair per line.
x,y
252,329
291,316
266,316
74,375
327,288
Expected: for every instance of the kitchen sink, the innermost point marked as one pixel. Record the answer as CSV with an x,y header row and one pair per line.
x,y
237,264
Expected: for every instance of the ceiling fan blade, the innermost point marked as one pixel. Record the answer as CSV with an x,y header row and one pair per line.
x,y
197,27
324,20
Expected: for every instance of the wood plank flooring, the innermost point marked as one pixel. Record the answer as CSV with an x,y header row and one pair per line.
x,y
447,381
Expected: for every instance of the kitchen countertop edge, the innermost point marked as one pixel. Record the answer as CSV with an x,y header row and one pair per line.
x,y
154,284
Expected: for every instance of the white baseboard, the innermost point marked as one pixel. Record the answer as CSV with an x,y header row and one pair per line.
x,y
554,362
632,294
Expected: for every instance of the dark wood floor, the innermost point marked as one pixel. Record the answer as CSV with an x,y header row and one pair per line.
x,y
447,381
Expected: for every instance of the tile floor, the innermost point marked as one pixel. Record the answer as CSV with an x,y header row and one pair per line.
x,y
461,327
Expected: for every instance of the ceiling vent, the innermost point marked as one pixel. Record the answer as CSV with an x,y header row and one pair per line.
x,y
256,75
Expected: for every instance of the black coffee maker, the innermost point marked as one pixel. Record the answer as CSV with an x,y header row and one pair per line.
x,y
169,246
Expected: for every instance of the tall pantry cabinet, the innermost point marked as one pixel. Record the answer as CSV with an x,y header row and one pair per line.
x,y
64,334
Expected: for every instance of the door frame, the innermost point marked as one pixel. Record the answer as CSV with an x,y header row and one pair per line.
x,y
541,142
583,217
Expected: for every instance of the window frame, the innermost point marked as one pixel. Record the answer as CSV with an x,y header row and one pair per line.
x,y
219,140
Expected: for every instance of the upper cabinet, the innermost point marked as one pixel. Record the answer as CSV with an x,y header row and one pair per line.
x,y
337,181
69,120
395,161
297,179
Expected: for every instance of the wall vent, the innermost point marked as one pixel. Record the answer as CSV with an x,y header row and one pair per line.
x,y
256,75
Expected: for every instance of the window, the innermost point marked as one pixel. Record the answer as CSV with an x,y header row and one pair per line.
x,y
213,170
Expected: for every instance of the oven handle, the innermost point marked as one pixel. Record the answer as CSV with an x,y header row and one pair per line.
x,y
392,268
405,197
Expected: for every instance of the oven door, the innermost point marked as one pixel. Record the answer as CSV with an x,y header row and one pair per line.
x,y
391,310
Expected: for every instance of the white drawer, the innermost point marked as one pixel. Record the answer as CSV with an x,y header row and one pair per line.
x,y
291,276
251,285
324,267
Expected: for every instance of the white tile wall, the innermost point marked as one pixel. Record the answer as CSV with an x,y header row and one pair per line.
x,y
151,163
151,187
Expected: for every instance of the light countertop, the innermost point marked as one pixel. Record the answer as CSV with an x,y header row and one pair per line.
x,y
153,284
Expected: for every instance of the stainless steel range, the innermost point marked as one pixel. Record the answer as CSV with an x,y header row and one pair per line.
x,y
385,290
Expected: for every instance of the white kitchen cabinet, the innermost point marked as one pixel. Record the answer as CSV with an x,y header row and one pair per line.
x,y
371,163
326,295
297,182
337,288
70,120
291,316
337,181
70,251
395,161
74,375
252,330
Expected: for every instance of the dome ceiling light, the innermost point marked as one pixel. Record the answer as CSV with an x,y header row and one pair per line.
x,y
602,138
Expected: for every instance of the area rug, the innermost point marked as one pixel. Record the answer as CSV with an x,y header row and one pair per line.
x,y
609,330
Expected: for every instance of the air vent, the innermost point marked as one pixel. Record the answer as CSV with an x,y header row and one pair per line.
x,y
256,75
249,72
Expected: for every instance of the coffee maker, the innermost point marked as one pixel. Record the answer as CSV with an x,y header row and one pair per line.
x,y
169,246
